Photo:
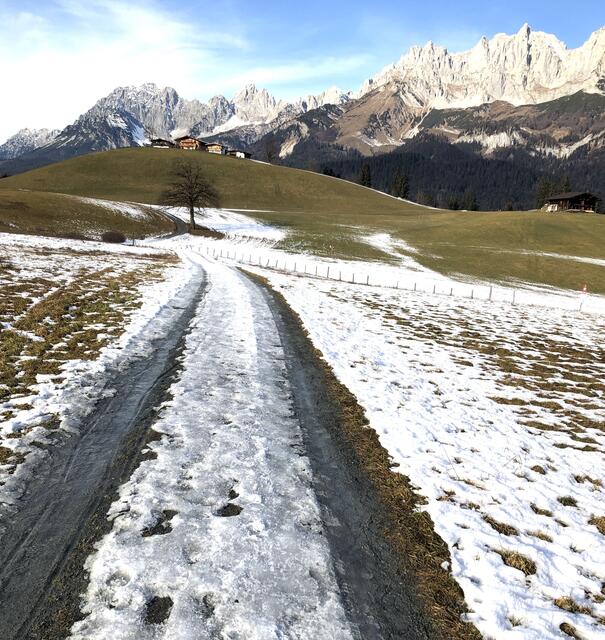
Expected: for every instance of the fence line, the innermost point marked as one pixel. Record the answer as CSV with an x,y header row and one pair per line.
x,y
361,278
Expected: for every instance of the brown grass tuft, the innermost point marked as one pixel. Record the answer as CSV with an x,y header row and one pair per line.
x,y
517,561
569,630
541,535
500,527
541,512
599,523
568,604
595,482
568,501
539,469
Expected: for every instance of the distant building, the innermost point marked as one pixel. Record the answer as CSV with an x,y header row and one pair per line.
x,y
191,144
160,143
572,201
238,153
215,147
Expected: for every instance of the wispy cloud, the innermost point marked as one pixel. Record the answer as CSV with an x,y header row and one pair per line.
x,y
56,65
295,72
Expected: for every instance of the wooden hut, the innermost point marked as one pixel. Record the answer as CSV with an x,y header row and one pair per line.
x,y
160,143
238,153
572,201
215,147
190,143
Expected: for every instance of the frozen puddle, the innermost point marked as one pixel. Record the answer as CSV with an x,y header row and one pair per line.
x,y
219,535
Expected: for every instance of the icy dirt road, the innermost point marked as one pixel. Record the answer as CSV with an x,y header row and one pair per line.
x,y
243,518
246,523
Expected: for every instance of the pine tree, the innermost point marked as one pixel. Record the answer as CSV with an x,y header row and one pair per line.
x,y
469,200
565,184
365,175
544,190
401,185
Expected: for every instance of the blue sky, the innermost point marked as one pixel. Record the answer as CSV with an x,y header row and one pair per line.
x,y
59,56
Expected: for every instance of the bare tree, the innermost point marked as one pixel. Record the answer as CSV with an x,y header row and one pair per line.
x,y
191,189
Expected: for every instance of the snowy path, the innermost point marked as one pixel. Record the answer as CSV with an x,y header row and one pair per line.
x,y
224,521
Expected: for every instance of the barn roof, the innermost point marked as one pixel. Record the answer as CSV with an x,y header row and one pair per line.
x,y
570,195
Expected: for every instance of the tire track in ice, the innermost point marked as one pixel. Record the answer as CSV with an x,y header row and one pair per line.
x,y
232,447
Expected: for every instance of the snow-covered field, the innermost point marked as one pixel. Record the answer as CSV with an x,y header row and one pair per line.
x,y
495,411
497,414
245,557
74,352
254,243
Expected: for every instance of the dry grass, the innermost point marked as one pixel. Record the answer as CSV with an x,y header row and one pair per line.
x,y
517,561
500,527
58,328
568,604
599,523
540,535
5,454
570,630
567,501
49,323
595,482
540,511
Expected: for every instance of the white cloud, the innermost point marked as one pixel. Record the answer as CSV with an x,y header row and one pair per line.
x,y
56,66
301,71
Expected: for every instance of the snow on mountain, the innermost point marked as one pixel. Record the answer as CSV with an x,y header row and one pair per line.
x,y
25,141
526,68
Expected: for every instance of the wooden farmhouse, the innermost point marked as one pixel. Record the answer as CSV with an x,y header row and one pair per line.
x,y
191,144
160,143
215,147
238,153
572,201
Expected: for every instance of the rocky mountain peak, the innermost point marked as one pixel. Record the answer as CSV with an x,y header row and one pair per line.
x,y
26,140
528,67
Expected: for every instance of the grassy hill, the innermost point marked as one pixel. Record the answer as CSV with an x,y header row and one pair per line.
x,y
331,217
140,175
54,214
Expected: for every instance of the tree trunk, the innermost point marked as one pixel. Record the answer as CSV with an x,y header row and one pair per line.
x,y
192,216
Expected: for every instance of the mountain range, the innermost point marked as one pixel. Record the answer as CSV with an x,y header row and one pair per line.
x,y
512,96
